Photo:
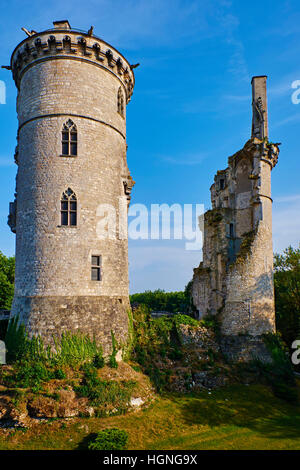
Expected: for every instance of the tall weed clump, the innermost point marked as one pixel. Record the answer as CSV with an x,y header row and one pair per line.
x,y
68,350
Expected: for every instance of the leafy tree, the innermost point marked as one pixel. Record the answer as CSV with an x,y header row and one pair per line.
x,y
159,300
7,279
287,293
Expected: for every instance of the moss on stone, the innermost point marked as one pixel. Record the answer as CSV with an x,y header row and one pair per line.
x,y
213,216
247,241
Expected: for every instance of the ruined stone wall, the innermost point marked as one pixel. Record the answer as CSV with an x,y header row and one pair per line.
x,y
63,75
249,304
235,279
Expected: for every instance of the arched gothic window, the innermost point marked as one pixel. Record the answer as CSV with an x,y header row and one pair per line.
x,y
121,107
69,139
68,208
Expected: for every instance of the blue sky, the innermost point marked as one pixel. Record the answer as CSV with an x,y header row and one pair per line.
x,y
191,106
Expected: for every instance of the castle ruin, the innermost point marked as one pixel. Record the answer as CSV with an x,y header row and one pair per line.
x,y
235,278
73,88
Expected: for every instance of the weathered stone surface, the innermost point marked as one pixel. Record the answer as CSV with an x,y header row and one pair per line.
x,y
96,316
62,75
198,337
67,406
235,279
207,380
245,348
13,415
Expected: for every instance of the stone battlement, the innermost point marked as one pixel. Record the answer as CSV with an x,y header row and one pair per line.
x,y
65,43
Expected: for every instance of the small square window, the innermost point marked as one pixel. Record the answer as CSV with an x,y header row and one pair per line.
x,y
96,268
95,274
96,260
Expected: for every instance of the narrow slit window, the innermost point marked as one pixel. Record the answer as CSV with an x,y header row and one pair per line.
x,y
231,230
96,268
68,208
69,139
121,106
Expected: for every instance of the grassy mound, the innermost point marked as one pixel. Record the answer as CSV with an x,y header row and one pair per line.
x,y
71,379
233,417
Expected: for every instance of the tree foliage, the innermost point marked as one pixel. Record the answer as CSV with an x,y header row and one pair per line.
x,y
287,293
7,279
161,301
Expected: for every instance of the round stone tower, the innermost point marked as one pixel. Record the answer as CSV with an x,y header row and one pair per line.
x,y
72,186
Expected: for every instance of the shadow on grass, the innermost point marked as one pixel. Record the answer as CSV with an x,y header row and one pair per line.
x,y
83,445
253,407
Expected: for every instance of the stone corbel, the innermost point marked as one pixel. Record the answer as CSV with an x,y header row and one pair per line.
x,y
38,47
67,45
119,65
27,53
16,156
110,57
12,216
83,46
97,50
128,184
51,45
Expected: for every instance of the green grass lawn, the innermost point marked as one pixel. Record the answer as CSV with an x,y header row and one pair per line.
x,y
235,417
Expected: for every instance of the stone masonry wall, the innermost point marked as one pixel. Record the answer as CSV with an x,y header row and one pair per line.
x,y
235,279
64,75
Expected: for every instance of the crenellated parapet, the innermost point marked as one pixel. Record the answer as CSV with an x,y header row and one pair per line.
x,y
65,43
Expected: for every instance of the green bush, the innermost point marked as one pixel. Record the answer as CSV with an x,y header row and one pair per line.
x,y
98,361
7,279
279,374
181,319
59,374
109,439
28,374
